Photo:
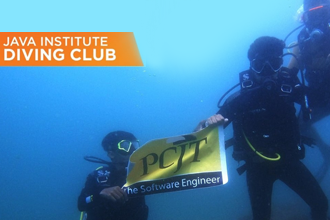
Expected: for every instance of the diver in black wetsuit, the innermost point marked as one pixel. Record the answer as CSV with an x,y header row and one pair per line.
x,y
266,131
313,52
314,46
102,197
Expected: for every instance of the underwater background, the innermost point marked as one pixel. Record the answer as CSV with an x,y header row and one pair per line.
x,y
193,51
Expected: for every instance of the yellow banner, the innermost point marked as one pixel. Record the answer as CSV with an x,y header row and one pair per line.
x,y
177,163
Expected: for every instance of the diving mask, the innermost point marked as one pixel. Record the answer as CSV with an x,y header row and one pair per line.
x,y
126,147
258,65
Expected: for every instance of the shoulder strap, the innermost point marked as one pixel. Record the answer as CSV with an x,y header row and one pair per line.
x,y
246,80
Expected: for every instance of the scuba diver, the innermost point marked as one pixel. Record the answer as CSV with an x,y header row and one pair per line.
x,y
313,58
102,198
266,130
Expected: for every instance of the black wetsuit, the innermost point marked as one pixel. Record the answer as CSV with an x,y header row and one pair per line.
x,y
314,53
315,60
101,209
268,121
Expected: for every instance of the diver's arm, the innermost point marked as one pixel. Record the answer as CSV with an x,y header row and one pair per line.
x,y
114,194
94,194
89,196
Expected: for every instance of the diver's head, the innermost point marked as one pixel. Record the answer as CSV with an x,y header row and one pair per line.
x,y
120,145
316,14
309,4
265,55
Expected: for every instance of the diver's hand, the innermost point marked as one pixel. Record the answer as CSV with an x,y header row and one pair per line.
x,y
114,194
214,119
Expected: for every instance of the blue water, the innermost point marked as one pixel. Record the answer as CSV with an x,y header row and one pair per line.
x,y
192,52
